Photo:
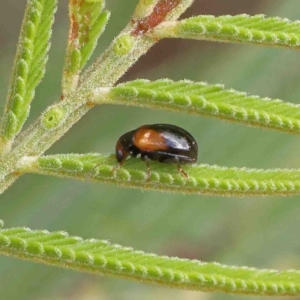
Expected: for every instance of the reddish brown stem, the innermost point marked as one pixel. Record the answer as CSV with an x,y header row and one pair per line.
x,y
158,15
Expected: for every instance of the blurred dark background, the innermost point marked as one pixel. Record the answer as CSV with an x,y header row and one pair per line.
x,y
258,232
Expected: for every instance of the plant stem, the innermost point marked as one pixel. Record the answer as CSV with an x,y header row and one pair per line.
x,y
105,71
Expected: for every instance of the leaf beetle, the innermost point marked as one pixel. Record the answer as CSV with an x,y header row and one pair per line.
x,y
164,143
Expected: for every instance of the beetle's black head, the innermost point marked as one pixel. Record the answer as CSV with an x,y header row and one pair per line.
x,y
124,146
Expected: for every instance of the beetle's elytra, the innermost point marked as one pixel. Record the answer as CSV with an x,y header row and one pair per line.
x,y
164,143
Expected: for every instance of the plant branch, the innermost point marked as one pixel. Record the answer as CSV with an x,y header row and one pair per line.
x,y
100,257
124,51
202,179
258,29
200,98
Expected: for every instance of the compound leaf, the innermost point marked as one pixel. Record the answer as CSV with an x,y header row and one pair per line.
x,y
243,28
29,66
100,257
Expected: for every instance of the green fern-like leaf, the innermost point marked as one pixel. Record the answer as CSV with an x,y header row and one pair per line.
x,y
202,179
243,28
210,100
87,22
29,68
101,257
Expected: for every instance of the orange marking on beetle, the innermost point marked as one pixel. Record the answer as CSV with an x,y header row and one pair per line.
x,y
160,11
149,140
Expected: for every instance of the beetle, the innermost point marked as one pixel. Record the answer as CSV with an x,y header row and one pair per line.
x,y
164,143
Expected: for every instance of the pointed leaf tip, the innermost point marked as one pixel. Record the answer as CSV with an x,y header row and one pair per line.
x,y
87,23
29,67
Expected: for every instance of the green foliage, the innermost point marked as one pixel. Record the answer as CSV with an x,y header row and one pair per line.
x,y
101,257
53,117
97,85
210,100
203,179
29,67
243,28
123,44
87,23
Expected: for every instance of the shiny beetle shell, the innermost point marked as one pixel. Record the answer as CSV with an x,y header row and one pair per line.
x,y
160,142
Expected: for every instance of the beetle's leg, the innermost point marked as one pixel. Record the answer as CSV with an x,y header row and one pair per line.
x,y
146,159
90,174
148,169
97,165
184,174
119,165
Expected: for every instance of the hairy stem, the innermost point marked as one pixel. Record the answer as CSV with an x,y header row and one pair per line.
x,y
124,51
